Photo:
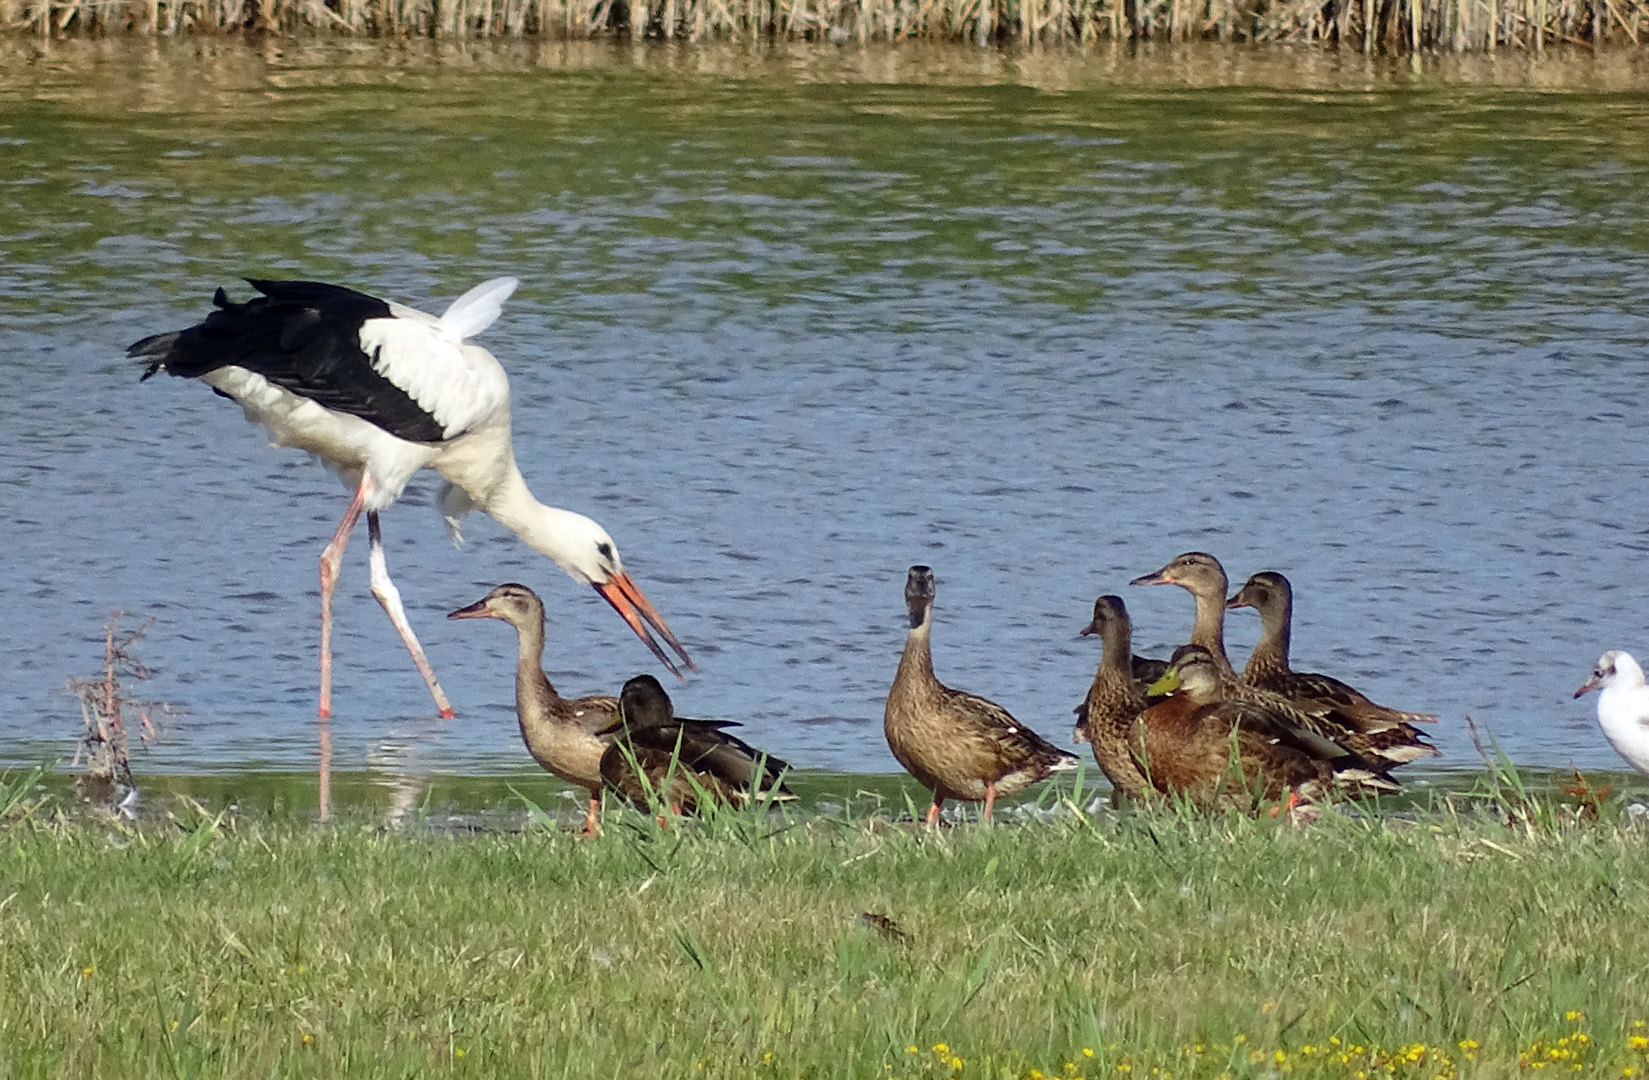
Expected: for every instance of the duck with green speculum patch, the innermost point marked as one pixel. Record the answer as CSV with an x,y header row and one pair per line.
x,y
957,745
1222,748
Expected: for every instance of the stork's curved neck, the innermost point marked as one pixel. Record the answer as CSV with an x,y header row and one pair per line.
x,y
511,503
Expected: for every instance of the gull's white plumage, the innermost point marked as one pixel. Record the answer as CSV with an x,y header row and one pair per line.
x,y
1623,706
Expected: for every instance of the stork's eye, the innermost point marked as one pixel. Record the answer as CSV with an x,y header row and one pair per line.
x,y
605,550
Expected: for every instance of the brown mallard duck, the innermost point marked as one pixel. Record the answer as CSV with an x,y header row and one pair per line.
x,y
1201,575
957,745
1146,670
657,755
1226,752
1116,698
561,734
1372,730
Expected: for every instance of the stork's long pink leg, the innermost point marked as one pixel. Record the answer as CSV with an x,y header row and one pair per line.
x,y
331,559
390,597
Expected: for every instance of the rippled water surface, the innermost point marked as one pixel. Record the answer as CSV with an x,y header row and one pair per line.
x,y
793,320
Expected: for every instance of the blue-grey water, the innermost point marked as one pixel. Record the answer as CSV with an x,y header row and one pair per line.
x,y
792,320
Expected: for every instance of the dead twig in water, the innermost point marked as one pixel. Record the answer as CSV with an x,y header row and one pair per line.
x,y
103,709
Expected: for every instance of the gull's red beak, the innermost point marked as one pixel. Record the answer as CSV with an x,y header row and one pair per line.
x,y
627,599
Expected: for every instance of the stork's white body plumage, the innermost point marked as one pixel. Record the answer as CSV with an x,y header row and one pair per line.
x,y
1623,706
379,391
462,387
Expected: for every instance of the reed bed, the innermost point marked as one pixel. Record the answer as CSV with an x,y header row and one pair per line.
x,y
1391,26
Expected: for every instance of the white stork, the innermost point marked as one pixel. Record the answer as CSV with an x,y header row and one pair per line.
x,y
378,391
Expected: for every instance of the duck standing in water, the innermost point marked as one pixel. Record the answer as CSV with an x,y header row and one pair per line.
x,y
657,755
1201,575
957,745
1222,751
1623,706
1359,724
561,735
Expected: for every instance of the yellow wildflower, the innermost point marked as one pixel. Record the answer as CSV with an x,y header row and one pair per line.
x,y
1087,1051
1574,1014
458,1052
1637,1042
86,972
941,1048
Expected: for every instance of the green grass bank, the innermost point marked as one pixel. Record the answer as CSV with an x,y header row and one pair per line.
x,y
1485,938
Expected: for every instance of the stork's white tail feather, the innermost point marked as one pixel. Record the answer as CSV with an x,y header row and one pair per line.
x,y
477,309
454,502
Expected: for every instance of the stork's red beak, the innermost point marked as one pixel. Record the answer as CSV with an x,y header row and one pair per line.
x,y
627,599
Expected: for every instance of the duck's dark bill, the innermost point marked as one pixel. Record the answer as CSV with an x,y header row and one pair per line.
x,y
477,610
632,606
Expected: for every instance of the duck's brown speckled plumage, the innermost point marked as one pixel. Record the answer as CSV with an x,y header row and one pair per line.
x,y
561,734
1370,729
1234,752
657,755
1201,575
1146,670
957,745
1116,698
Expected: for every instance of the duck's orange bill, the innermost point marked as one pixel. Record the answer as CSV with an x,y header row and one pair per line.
x,y
477,610
628,600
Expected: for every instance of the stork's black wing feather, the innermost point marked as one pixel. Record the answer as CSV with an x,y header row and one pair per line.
x,y
303,336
